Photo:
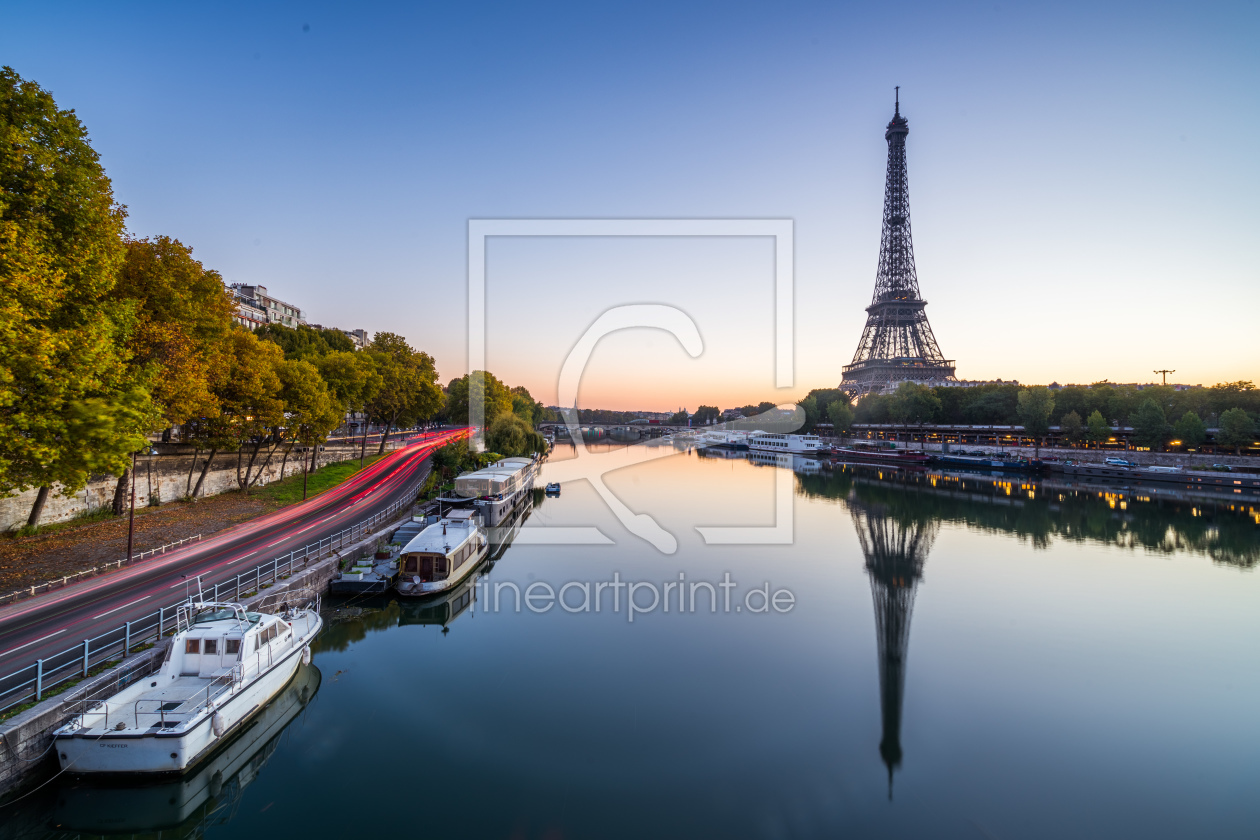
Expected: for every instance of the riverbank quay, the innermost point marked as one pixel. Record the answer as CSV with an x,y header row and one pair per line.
x,y
1188,460
63,555
1008,438
25,738
170,473
54,639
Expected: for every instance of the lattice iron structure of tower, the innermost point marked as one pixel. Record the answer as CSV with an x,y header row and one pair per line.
x,y
897,344
896,548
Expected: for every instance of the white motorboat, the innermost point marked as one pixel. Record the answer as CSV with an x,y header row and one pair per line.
x,y
179,805
223,666
442,555
785,444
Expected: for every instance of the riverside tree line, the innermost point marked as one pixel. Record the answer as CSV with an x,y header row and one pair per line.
x,y
108,340
1158,414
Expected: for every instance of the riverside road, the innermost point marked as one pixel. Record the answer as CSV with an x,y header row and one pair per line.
x,y
42,626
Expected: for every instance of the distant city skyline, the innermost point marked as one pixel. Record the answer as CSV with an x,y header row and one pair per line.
x,y
1078,212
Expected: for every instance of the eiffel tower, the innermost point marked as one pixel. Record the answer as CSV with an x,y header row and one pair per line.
x,y
897,344
895,547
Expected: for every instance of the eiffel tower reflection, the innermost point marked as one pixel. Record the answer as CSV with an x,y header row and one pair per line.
x,y
896,546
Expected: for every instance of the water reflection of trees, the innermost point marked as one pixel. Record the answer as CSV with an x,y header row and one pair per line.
x,y
1040,514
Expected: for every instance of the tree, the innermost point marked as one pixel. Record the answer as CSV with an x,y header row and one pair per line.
x,y
1236,429
69,406
841,415
1190,430
914,404
250,397
409,391
1071,427
706,415
524,406
180,342
481,386
1097,429
509,435
351,378
304,342
1150,427
1034,406
310,412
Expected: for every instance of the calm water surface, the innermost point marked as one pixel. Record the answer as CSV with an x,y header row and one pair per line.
x,y
962,657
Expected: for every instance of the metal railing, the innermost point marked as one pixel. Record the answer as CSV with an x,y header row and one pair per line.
x,y
66,580
75,663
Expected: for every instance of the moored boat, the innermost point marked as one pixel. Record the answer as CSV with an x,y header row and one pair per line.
x,y
785,444
224,664
441,555
494,492
897,457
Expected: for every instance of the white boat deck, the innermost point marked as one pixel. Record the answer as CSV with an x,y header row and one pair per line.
x,y
164,706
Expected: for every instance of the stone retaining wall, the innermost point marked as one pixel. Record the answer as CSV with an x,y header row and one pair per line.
x,y
164,478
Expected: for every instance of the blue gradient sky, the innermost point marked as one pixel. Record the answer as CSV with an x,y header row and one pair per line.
x,y
1083,177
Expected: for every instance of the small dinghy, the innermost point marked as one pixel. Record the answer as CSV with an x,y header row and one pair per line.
x,y
553,489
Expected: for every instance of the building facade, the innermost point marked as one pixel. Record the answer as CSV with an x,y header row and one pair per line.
x,y
253,299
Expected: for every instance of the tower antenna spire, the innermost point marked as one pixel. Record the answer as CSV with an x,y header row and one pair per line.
x,y
897,96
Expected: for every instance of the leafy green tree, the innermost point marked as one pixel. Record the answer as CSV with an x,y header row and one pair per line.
x,y
510,435
484,386
1097,429
1236,429
1071,427
409,391
841,415
252,406
310,410
69,404
525,407
1190,430
1150,426
914,404
180,342
705,415
1034,406
678,418
351,377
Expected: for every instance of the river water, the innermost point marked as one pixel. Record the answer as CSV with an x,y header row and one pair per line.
x,y
883,655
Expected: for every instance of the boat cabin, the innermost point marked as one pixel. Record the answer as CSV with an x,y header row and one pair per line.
x,y
443,548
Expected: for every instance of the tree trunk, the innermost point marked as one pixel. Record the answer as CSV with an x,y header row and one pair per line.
x,y
258,473
284,462
367,421
166,435
37,509
191,469
120,493
204,469
385,436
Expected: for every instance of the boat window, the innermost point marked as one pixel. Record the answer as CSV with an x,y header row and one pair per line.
x,y
257,640
232,647
214,615
192,645
212,647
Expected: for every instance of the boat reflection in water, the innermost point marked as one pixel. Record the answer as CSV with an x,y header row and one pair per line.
x,y
187,805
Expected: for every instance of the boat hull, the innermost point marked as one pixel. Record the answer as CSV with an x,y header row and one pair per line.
x,y
163,752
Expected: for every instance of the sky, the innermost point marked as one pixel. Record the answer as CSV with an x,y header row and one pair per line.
x,y
1083,176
